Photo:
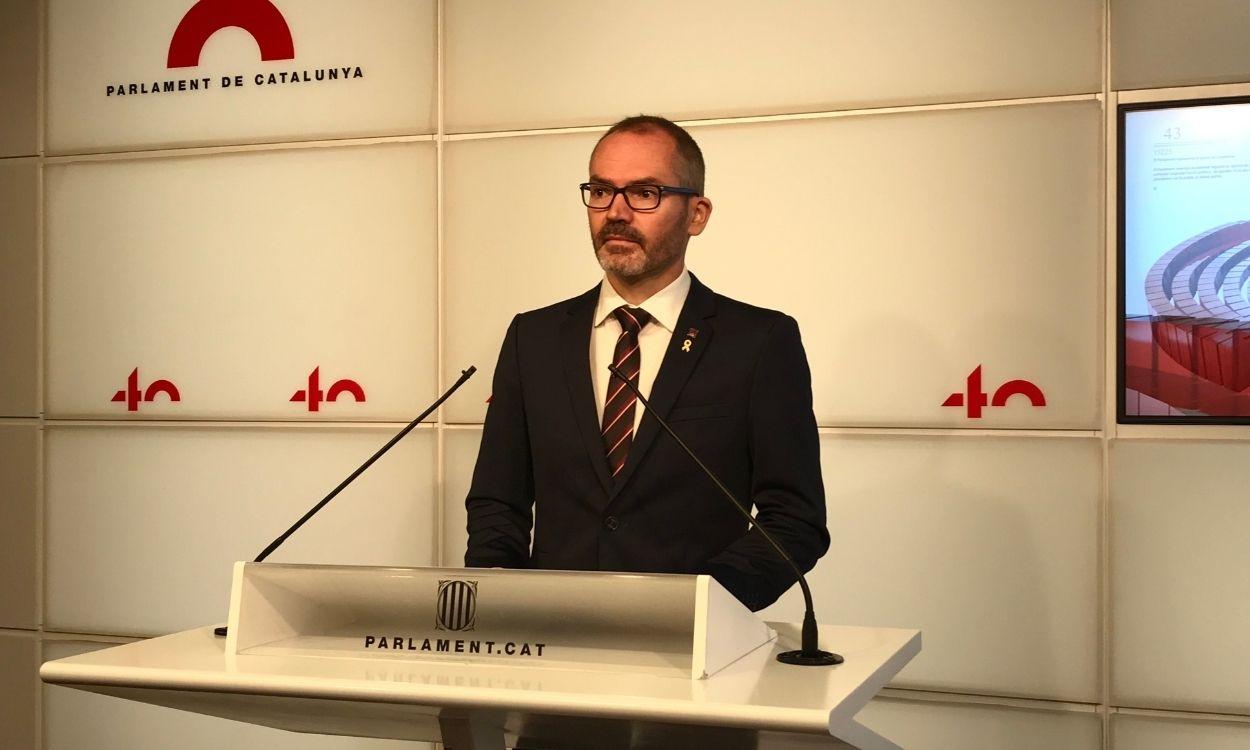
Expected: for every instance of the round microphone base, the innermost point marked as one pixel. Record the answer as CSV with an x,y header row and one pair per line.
x,y
814,659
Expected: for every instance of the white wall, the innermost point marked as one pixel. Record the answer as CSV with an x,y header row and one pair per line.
x,y
924,185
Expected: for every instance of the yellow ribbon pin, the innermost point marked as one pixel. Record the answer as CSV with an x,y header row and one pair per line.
x,y
685,345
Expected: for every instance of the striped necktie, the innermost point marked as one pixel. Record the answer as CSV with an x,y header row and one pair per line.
x,y
618,410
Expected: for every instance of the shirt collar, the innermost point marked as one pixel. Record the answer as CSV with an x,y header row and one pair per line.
x,y
664,306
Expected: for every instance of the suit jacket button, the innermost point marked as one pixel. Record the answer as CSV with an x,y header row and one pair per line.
x,y
611,523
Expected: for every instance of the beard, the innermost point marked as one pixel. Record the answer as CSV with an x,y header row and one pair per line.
x,y
644,258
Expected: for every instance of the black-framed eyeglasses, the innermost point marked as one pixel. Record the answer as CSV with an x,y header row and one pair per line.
x,y
597,195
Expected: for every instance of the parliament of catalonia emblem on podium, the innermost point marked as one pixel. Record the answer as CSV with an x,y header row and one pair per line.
x,y
456,606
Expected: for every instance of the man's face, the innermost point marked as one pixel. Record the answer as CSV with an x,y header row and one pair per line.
x,y
636,245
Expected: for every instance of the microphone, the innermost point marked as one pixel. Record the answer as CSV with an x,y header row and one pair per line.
x,y
810,654
464,375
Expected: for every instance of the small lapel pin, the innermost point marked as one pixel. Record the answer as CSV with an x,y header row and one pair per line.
x,y
693,333
685,345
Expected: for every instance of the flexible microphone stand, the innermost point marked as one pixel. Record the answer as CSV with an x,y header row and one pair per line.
x,y
810,654
464,375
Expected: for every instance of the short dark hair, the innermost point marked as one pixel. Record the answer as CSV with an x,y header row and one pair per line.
x,y
690,169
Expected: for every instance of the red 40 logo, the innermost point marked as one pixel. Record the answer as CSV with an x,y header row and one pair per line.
x,y
975,399
131,395
313,394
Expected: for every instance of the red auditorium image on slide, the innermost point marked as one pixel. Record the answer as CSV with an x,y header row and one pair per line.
x,y
1193,353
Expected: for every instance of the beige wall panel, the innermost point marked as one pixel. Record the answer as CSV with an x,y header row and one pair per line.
x,y
1179,588
1156,43
144,523
459,457
233,276
921,725
19,286
910,247
535,249
76,720
19,86
982,543
534,64
19,690
94,45
1151,733
19,503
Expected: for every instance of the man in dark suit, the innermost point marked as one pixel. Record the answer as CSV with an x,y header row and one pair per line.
x,y
565,448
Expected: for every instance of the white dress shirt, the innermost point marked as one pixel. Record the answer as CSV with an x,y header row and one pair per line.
x,y
664,307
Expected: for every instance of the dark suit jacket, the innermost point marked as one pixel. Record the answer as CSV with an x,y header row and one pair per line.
x,y
741,397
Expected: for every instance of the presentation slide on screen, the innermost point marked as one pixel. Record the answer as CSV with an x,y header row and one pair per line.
x,y
1186,194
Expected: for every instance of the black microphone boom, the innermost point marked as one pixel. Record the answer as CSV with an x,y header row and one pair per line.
x,y
810,654
464,375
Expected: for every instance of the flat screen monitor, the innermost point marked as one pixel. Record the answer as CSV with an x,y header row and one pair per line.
x,y
1184,262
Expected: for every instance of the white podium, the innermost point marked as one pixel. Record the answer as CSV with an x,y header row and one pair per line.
x,y
492,658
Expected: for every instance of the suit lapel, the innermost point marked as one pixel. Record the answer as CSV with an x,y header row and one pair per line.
x,y
575,341
675,369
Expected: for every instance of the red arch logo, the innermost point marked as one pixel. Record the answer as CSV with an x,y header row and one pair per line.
x,y
260,18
